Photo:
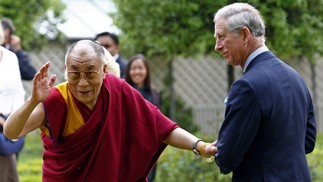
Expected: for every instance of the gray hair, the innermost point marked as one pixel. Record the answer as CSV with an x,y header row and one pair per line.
x,y
2,36
239,15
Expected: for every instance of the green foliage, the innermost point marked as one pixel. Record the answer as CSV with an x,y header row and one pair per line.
x,y
174,165
166,28
185,27
294,28
183,116
177,165
315,160
28,16
30,159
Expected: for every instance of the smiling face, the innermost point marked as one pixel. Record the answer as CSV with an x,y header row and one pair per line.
x,y
138,72
87,88
230,45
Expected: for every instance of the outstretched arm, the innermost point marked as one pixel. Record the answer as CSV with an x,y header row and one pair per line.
x,y
182,139
31,115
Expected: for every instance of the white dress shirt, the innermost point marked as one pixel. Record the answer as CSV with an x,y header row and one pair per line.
x,y
12,93
253,55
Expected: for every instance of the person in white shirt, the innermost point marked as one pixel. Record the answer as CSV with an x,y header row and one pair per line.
x,y
12,96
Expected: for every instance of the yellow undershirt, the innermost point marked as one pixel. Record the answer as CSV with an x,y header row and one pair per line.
x,y
74,119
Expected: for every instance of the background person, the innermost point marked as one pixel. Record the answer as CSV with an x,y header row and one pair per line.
x,y
138,76
11,98
269,122
112,66
110,41
12,42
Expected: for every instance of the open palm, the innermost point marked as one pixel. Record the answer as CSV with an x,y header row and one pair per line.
x,y
42,85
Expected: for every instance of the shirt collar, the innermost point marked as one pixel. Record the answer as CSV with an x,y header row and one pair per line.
x,y
116,56
253,55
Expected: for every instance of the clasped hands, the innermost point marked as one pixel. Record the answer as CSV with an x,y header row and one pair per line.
x,y
208,151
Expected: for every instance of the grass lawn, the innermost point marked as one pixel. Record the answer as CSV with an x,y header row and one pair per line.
x,y
30,160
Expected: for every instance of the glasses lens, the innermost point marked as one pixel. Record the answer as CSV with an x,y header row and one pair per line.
x,y
74,75
90,75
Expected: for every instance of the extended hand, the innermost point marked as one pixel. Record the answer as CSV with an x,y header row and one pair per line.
x,y
15,43
211,149
41,84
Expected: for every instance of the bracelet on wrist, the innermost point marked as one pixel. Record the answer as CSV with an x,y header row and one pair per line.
x,y
195,150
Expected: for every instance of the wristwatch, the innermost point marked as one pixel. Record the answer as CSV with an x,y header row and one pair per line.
x,y
195,151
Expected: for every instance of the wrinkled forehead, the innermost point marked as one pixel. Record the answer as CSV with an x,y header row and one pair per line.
x,y
83,57
220,26
83,63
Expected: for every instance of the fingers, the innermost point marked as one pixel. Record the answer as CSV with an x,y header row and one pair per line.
x,y
52,80
211,149
43,71
215,142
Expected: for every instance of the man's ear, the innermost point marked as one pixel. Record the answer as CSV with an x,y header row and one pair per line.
x,y
105,68
246,34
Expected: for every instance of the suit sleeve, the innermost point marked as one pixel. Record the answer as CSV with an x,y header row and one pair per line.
x,y
310,137
27,71
240,126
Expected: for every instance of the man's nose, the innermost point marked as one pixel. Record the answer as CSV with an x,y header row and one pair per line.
x,y
83,80
218,46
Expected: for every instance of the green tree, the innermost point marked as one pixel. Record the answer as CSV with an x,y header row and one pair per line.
x,y
170,28
166,29
30,17
294,28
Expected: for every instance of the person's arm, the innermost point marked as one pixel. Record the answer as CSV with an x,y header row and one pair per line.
x,y
240,127
27,71
31,115
182,139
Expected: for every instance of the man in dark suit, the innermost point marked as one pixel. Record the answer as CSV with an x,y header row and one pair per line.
x,y
111,42
269,122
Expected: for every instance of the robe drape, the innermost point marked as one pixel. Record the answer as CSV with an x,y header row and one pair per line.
x,y
120,141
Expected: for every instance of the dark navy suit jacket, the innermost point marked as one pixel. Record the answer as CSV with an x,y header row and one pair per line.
x,y
269,124
123,65
27,71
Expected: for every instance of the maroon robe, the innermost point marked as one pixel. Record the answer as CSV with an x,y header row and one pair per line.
x,y
121,140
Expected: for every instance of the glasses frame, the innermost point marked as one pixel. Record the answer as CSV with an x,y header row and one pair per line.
x,y
83,73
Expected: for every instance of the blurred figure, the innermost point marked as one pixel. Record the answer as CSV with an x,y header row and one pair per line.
x,y
112,66
110,41
11,97
138,76
12,42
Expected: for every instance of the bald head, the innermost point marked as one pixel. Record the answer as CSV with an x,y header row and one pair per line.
x,y
85,49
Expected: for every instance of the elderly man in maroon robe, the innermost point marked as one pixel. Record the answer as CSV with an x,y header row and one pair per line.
x,y
95,127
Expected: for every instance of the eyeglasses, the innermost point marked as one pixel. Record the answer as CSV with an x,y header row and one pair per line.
x,y
88,75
